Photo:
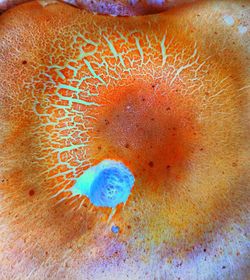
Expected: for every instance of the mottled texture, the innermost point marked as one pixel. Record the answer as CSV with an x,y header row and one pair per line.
x,y
106,184
110,7
167,94
6,4
127,7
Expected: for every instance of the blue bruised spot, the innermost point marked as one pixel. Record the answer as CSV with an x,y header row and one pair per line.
x,y
106,184
115,229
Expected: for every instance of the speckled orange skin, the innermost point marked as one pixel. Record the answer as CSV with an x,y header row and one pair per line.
x,y
162,93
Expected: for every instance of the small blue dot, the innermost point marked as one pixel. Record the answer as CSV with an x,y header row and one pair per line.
x,y
115,229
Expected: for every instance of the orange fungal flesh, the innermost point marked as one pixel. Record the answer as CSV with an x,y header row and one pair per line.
x,y
77,89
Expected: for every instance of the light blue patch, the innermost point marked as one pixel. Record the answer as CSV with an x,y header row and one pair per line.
x,y
115,229
242,29
229,20
106,184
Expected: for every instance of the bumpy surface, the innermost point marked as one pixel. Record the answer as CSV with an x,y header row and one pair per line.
x,y
106,184
167,95
110,7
